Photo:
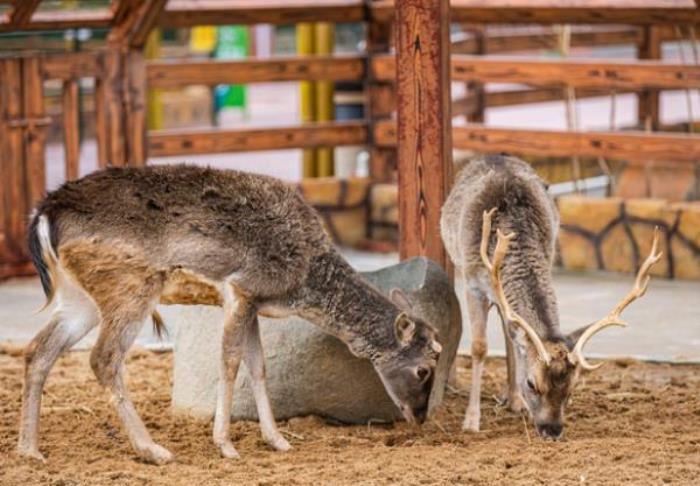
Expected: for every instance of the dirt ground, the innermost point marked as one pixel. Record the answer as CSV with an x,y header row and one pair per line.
x,y
628,423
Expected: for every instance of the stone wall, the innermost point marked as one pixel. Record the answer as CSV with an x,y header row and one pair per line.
x,y
596,233
616,234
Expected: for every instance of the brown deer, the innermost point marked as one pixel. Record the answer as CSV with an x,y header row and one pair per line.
x,y
110,245
543,363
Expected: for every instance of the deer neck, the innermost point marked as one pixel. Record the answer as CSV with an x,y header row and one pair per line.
x,y
527,282
338,300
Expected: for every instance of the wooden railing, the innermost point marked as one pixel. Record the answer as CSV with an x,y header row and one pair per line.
x,y
122,77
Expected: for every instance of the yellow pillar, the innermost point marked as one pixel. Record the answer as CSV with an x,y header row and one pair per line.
x,y
305,46
154,106
323,40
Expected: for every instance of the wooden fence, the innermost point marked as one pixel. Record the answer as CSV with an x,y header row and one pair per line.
x,y
122,77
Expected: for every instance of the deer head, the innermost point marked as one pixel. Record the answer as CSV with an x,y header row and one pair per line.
x,y
408,369
547,369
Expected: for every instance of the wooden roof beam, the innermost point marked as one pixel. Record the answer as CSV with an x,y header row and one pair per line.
x,y
136,20
22,11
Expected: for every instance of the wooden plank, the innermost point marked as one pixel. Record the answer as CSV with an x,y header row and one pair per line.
x,y
22,12
12,176
64,19
637,146
649,100
72,65
71,128
424,135
576,73
175,74
207,141
187,13
634,12
35,131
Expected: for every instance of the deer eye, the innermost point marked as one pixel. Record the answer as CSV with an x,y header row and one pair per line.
x,y
531,386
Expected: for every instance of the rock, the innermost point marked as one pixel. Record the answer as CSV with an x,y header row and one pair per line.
x,y
308,371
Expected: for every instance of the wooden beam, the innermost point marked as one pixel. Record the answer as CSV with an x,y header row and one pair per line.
x,y
136,22
135,107
72,65
576,73
186,13
637,146
64,19
71,128
500,42
175,74
22,12
424,135
634,12
207,141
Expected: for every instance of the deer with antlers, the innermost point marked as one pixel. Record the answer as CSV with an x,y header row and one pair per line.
x,y
543,363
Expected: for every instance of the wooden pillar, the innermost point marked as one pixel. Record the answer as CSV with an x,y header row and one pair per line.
x,y
380,102
475,89
14,203
135,107
424,124
71,128
648,99
35,123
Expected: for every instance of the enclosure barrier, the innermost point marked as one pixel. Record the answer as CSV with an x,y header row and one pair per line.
x,y
122,77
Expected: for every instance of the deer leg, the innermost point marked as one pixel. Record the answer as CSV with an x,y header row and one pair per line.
x,y
118,333
255,361
512,394
239,315
477,306
73,318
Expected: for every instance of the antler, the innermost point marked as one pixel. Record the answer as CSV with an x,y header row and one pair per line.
x,y
495,270
613,319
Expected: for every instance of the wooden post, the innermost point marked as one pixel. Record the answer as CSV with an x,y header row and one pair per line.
x,y
380,100
71,128
135,106
424,124
476,89
14,202
35,134
648,99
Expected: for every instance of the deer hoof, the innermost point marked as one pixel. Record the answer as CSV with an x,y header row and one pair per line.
x,y
156,454
279,443
471,422
228,451
32,453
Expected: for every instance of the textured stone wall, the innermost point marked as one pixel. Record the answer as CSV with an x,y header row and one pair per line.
x,y
596,233
616,234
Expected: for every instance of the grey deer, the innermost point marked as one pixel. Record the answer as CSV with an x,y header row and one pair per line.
x,y
543,363
109,246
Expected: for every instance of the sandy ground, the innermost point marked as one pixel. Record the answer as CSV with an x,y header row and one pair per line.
x,y
629,423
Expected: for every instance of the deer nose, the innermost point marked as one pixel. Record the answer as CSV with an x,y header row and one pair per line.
x,y
551,430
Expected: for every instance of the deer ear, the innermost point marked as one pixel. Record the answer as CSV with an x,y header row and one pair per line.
x,y
401,300
574,336
404,328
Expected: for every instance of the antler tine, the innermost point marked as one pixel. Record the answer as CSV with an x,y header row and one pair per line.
x,y
613,319
494,267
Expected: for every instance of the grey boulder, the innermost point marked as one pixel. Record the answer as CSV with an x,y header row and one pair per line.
x,y
308,371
